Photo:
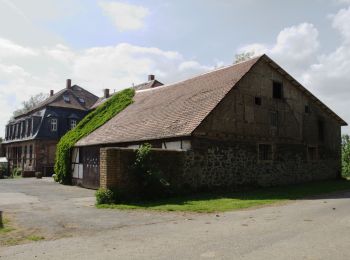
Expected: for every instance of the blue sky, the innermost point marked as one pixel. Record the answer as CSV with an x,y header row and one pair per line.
x,y
112,44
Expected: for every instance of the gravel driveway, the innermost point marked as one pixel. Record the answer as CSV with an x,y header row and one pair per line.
x,y
317,228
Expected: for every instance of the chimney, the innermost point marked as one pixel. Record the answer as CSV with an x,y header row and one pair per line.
x,y
51,93
106,93
151,77
69,83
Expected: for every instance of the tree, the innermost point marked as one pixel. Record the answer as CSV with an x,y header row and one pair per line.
x,y
29,104
345,155
239,57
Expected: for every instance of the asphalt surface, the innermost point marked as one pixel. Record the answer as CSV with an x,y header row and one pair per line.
x,y
317,228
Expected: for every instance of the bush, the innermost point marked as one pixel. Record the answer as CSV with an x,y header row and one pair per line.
x,y
153,184
345,156
91,122
105,196
38,175
16,172
3,171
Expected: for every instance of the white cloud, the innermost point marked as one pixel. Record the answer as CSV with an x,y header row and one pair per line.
x,y
125,16
115,67
295,47
9,48
341,22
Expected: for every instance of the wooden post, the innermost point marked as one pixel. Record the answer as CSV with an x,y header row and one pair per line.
x,y
1,222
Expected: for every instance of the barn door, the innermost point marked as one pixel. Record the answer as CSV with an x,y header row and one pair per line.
x,y
91,167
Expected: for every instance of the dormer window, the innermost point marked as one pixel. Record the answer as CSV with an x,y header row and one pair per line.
x,y
66,99
73,123
81,100
54,125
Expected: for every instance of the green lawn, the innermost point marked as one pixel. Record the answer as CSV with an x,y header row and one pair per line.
x,y
238,200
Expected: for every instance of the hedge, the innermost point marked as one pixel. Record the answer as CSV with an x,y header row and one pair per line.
x,y
88,124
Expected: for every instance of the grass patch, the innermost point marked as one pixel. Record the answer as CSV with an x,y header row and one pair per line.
x,y
220,202
35,238
88,124
6,228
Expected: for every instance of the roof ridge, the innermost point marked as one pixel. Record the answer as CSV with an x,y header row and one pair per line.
x,y
203,74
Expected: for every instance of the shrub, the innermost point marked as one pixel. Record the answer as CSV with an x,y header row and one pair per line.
x,y
153,184
91,122
105,196
346,156
17,172
3,171
38,175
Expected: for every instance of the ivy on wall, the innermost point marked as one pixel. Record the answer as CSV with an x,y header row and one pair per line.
x,y
114,105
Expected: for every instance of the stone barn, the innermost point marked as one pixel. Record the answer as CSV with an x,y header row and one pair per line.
x,y
248,124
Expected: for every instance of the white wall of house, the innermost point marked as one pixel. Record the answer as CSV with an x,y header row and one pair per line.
x,y
182,145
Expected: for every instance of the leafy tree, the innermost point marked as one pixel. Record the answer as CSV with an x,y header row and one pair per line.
x,y
346,155
30,103
243,56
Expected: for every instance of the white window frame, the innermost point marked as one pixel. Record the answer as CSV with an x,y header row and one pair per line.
x,y
73,123
54,123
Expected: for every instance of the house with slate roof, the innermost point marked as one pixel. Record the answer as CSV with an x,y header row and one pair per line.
x,y
250,123
31,138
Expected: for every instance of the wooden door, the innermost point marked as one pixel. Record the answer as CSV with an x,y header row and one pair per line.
x,y
91,167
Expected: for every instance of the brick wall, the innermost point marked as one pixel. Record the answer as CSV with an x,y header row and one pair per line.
x,y
116,163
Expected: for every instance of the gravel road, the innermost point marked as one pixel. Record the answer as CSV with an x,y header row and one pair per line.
x,y
316,228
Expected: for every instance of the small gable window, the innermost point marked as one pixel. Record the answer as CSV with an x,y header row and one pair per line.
x,y
66,99
320,124
277,90
73,123
258,101
307,109
54,124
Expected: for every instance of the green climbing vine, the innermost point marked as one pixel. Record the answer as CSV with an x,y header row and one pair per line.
x,y
91,122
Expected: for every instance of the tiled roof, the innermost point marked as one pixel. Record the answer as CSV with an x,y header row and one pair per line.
x,y
146,85
77,97
171,110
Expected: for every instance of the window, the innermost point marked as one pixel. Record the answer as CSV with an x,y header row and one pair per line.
x,y
66,99
73,123
53,124
25,154
307,109
265,152
320,130
273,119
312,153
258,101
277,90
30,154
81,100
30,127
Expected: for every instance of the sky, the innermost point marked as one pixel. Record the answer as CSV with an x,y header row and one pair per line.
x,y
114,44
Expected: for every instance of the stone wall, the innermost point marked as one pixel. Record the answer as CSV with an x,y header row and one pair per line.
x,y
220,165
213,164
